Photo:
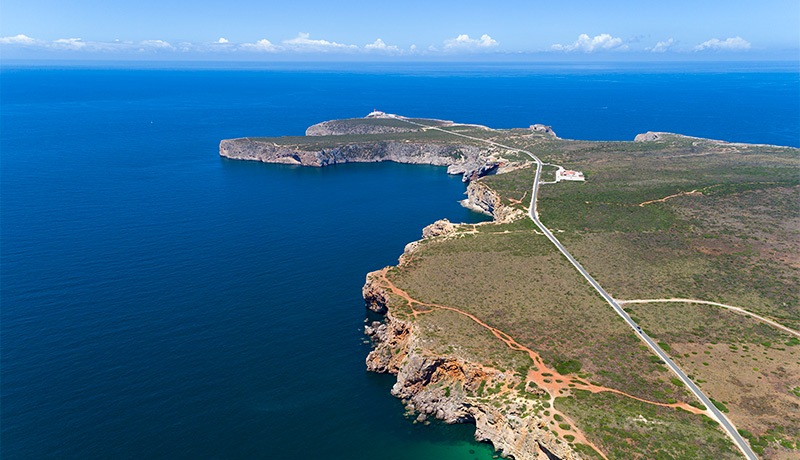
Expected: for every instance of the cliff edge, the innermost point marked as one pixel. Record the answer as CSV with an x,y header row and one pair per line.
x,y
425,378
372,139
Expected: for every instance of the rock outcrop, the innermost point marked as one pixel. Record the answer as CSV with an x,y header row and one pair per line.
x,y
483,170
539,128
483,199
424,382
647,137
438,228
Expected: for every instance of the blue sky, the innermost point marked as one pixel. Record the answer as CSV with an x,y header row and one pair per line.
x,y
410,29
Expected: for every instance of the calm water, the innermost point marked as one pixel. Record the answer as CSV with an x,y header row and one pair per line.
x,y
160,302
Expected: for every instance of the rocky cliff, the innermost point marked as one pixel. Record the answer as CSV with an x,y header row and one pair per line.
x,y
468,160
424,382
424,379
444,154
483,199
369,140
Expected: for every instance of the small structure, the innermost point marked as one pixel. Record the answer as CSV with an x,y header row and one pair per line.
x,y
376,114
567,174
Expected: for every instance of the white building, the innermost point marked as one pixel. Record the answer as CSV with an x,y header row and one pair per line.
x,y
566,174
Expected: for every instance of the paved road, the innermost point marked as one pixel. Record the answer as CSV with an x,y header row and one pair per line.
x,y
717,304
532,212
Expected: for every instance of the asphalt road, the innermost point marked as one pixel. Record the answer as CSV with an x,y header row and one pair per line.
x,y
532,213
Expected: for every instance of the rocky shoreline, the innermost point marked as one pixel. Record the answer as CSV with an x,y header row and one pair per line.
x,y
469,161
364,144
421,376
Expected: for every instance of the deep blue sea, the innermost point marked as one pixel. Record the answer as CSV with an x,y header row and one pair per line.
x,y
160,302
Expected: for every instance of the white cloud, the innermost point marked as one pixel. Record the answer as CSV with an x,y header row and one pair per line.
x,y
729,44
261,45
18,40
186,47
222,40
379,45
69,43
156,44
586,44
662,47
463,42
303,43
88,46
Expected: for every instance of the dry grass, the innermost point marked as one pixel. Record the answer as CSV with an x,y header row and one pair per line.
x,y
734,239
628,429
518,283
748,366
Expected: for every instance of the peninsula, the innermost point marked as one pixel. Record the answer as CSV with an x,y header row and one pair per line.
x,y
629,299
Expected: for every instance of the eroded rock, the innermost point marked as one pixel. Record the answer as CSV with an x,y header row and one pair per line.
x,y
421,383
438,228
647,137
482,198
540,128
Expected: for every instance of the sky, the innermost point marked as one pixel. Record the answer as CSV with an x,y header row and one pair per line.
x,y
400,30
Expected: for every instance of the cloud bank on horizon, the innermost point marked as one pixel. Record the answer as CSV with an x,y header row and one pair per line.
x,y
586,44
304,44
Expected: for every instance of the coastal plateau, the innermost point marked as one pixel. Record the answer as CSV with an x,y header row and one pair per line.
x,y
489,324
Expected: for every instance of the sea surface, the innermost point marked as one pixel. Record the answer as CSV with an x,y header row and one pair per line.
x,y
160,302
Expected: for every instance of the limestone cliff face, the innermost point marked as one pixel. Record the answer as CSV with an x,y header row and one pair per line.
x,y
444,154
483,199
469,161
422,379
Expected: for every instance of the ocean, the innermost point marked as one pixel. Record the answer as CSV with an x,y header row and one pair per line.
x,y
161,302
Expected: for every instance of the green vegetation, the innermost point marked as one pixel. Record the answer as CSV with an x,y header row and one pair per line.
x,y
724,240
626,428
519,283
568,367
311,143
723,339
720,406
586,451
678,218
